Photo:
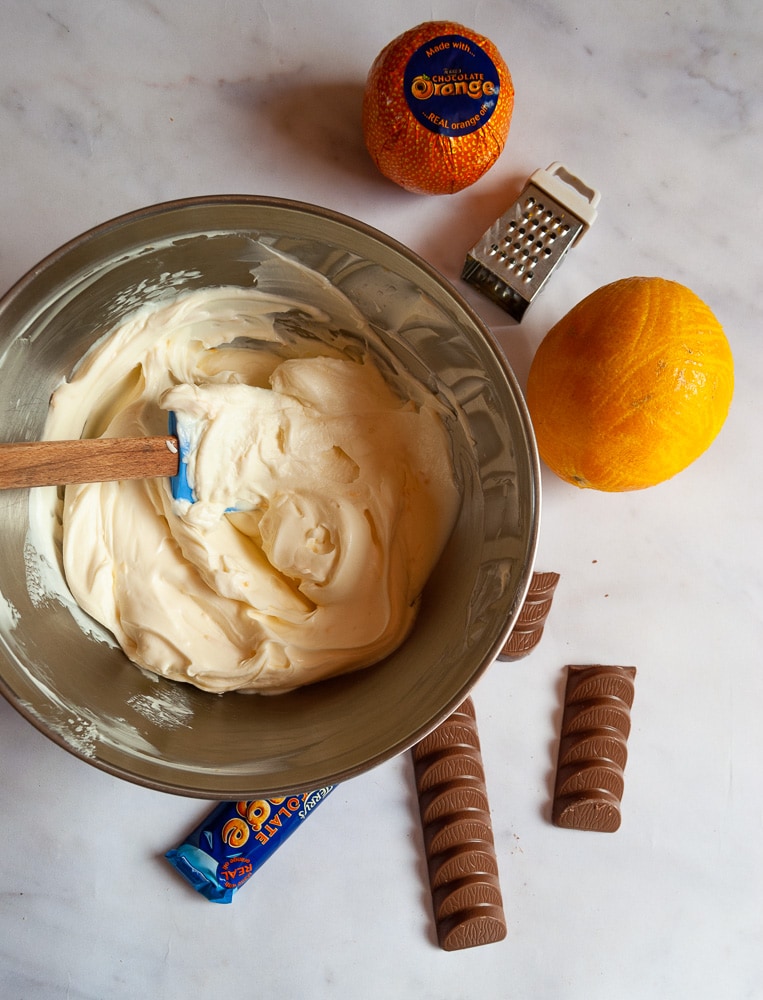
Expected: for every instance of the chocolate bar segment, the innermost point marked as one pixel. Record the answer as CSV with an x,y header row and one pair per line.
x,y
458,834
595,744
593,748
531,620
462,861
596,810
466,793
477,925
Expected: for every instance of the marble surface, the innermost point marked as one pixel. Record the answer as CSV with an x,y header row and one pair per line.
x,y
112,105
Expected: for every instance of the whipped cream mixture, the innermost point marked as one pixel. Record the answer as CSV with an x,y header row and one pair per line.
x,y
341,478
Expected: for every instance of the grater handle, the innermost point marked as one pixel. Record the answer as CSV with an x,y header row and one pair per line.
x,y
569,191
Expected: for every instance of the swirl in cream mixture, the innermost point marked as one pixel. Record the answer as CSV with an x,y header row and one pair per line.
x,y
342,481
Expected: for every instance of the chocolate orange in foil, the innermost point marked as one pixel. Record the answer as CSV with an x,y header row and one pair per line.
x,y
437,108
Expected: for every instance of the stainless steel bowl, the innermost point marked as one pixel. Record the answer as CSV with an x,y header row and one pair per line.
x,y
65,677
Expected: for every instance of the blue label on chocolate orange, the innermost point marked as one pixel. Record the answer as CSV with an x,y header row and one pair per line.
x,y
451,85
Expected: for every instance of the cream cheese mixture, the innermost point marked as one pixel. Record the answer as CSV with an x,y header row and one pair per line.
x,y
341,479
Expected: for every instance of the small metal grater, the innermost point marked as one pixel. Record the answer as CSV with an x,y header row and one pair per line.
x,y
519,253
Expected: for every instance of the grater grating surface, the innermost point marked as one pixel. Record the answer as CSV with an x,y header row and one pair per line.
x,y
514,259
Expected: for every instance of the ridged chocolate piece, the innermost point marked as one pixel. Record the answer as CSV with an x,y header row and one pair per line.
x,y
593,748
458,834
531,620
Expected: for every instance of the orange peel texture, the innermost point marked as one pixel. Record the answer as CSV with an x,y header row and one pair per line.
x,y
631,386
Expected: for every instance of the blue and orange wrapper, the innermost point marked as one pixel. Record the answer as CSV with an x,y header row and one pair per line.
x,y
236,840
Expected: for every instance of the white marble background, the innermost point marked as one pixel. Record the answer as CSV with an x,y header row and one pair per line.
x,y
109,105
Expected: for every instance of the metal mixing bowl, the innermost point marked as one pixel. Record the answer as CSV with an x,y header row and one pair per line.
x,y
61,671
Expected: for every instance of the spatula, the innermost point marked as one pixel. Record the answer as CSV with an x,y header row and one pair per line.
x,y
97,460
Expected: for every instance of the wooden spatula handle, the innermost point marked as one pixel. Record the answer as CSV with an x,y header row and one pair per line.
x,y
51,463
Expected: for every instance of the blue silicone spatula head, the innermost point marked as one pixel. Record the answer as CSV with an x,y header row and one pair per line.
x,y
179,485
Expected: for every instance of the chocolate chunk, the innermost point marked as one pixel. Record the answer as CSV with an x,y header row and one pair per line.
x,y
467,859
590,776
593,747
472,827
598,811
453,733
597,713
531,620
612,682
458,834
478,925
465,894
448,767
463,793
596,744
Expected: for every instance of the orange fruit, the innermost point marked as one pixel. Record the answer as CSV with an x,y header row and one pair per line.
x,y
631,386
437,107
